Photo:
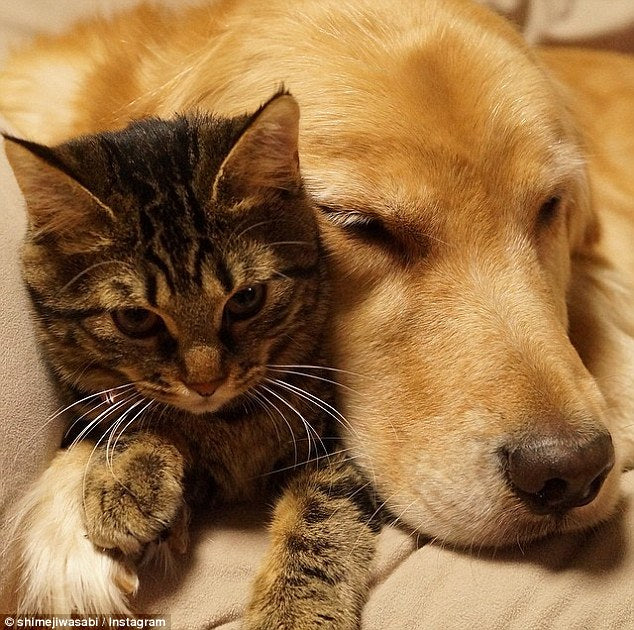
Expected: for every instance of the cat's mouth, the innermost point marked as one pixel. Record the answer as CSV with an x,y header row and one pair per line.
x,y
199,398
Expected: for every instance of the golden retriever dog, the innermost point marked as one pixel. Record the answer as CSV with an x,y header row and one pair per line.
x,y
478,210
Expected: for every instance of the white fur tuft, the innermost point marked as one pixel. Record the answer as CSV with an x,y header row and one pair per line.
x,y
57,569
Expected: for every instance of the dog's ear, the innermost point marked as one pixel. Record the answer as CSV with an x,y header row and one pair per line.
x,y
57,204
265,157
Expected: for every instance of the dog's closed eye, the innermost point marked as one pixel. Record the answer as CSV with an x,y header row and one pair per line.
x,y
359,224
548,211
368,229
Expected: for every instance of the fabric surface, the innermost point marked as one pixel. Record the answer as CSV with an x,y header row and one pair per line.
x,y
572,582
589,23
26,397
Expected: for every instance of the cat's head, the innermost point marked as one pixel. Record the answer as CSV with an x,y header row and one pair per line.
x,y
179,255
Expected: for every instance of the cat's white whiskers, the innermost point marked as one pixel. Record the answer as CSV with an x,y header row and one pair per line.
x,y
113,429
289,243
102,416
110,460
314,376
139,414
315,400
327,438
93,424
84,399
277,368
253,395
299,415
281,275
108,399
87,466
88,269
108,432
250,227
267,271
56,415
86,413
306,461
322,367
307,424
290,428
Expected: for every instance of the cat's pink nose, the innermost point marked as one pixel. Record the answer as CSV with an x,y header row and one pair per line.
x,y
205,389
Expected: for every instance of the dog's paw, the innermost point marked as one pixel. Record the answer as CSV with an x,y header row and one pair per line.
x,y
136,497
49,561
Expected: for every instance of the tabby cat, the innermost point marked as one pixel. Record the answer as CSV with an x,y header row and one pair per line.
x,y
181,295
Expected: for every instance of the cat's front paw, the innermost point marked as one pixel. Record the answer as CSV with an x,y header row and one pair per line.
x,y
135,497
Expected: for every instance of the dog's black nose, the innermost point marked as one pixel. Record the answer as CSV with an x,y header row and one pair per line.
x,y
552,473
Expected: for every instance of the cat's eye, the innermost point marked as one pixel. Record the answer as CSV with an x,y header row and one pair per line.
x,y
138,323
246,303
548,211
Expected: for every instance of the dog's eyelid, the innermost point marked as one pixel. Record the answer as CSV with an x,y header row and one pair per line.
x,y
349,218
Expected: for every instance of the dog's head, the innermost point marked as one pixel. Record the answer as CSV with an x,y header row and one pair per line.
x,y
455,196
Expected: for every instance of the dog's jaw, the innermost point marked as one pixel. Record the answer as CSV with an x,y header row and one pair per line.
x,y
475,511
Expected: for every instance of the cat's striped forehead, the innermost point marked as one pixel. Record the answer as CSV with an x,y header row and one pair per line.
x,y
160,165
157,177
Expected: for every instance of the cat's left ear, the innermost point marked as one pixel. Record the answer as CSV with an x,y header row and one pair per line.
x,y
265,157
57,204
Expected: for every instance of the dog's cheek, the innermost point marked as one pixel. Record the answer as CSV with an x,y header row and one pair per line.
x,y
553,249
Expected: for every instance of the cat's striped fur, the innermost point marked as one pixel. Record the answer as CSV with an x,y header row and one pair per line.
x,y
143,249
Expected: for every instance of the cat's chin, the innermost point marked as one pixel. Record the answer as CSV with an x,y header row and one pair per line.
x,y
199,408
202,406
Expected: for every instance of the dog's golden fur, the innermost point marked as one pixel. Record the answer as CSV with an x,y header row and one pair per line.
x,y
455,321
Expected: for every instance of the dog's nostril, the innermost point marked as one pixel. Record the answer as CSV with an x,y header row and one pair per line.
x,y
554,490
553,474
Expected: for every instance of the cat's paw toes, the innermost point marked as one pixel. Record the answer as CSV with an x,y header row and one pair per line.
x,y
135,500
178,539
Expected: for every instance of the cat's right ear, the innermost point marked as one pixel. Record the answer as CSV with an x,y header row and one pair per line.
x,y
265,157
57,204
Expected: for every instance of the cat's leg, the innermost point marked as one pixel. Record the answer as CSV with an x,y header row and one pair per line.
x,y
316,572
134,494
56,568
